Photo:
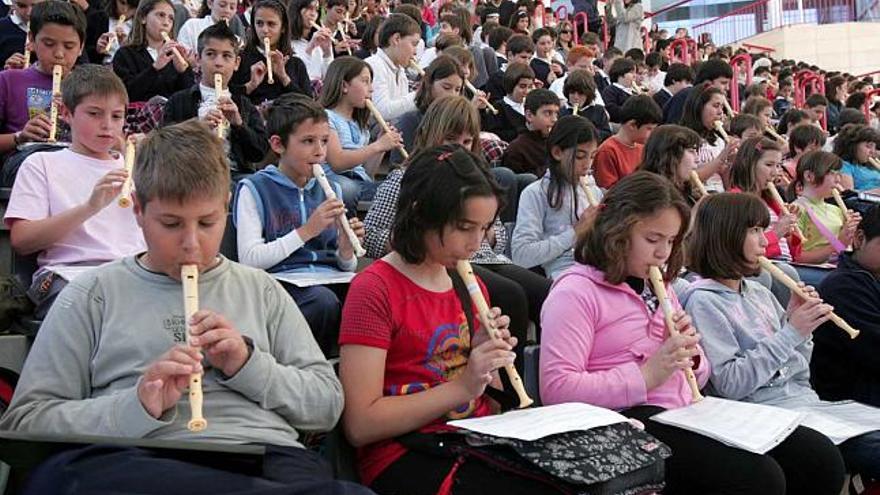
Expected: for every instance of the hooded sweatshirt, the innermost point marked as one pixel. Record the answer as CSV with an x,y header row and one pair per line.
x,y
756,355
595,338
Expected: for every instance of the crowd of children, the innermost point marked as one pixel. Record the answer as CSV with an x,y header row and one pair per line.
x,y
562,169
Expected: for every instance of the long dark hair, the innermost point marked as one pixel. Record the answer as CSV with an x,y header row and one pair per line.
x,y
344,69
297,26
568,132
692,115
137,39
664,151
440,68
253,39
742,171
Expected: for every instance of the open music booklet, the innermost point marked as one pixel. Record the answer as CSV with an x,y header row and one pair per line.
x,y
539,422
758,428
752,427
842,420
308,279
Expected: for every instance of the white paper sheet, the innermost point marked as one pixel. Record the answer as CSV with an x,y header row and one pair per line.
x,y
538,422
752,427
843,420
308,279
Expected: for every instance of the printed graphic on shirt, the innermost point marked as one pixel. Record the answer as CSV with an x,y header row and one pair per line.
x,y
445,358
39,101
175,325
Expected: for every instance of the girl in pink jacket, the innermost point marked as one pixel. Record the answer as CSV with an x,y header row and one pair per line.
x,y
604,341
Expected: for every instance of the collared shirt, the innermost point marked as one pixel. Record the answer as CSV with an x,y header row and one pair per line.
x,y
626,90
18,21
208,103
518,107
391,93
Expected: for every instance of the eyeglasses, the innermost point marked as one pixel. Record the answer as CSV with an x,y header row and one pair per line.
x,y
565,32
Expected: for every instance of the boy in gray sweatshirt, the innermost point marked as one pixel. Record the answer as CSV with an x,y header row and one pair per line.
x,y
112,357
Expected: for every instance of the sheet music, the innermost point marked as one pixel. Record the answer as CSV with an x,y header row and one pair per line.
x,y
308,279
841,421
538,422
752,427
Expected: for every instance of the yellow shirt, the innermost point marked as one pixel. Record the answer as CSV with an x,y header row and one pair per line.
x,y
830,216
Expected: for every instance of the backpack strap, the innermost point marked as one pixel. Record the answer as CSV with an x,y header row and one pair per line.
x,y
505,398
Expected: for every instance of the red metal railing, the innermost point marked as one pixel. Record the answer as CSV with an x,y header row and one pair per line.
x,y
870,96
766,15
646,39
758,48
873,75
684,50
586,21
807,82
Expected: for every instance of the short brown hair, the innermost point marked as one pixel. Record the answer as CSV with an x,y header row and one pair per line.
x,y
715,242
820,163
88,80
580,81
401,24
179,162
606,243
514,73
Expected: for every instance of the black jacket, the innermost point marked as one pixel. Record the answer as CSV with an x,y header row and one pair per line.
x,y
598,116
614,99
841,367
661,97
12,39
508,124
135,67
296,71
674,108
98,23
247,143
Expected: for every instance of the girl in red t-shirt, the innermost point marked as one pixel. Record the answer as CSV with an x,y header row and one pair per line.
x,y
408,359
757,164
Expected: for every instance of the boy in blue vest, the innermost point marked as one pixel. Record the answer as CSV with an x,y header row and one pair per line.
x,y
285,222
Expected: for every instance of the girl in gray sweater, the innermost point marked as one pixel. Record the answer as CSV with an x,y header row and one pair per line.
x,y
759,352
552,208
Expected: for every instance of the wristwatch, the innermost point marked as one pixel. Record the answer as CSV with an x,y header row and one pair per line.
x,y
16,138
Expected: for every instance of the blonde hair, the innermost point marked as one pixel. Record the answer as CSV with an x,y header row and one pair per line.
x,y
447,118
179,162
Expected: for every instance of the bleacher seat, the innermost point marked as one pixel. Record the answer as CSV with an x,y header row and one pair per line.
x,y
531,371
23,269
229,244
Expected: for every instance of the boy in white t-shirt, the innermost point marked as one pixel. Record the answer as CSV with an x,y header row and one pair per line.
x,y
63,205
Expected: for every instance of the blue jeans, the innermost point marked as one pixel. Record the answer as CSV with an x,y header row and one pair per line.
x,y
811,276
322,310
354,189
104,469
513,184
862,455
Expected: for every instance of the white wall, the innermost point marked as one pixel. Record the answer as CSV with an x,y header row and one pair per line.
x,y
852,47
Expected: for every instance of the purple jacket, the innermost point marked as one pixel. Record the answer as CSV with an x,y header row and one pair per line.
x,y
596,336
